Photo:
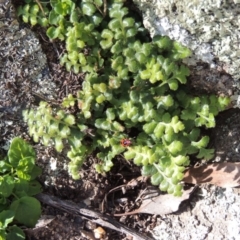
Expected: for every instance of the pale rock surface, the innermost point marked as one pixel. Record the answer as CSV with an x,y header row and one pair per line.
x,y
213,214
210,28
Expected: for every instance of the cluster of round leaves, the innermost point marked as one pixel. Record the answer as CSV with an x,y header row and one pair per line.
x,y
17,188
133,89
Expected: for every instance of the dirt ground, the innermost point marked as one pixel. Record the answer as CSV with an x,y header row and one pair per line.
x,y
210,213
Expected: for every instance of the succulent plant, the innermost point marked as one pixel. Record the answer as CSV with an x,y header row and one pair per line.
x,y
134,90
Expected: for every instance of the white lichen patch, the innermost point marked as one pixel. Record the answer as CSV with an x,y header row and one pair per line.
x,y
214,216
210,28
22,62
23,72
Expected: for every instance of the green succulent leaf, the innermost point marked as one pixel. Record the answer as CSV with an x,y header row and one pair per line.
x,y
114,24
34,9
173,84
141,58
117,47
149,127
69,119
53,32
108,36
117,11
156,179
97,19
181,74
223,102
131,32
145,74
58,144
69,101
54,17
175,147
162,42
179,51
181,161
159,130
43,22
74,16
133,91
203,142
133,66
99,3
61,8
88,8
149,170
206,153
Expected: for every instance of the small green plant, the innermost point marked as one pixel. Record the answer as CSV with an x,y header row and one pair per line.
x,y
34,12
18,185
134,89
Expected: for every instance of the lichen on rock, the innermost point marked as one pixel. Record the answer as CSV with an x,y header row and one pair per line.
x,y
23,65
23,72
210,28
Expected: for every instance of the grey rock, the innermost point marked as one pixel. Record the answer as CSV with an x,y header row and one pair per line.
x,y
210,28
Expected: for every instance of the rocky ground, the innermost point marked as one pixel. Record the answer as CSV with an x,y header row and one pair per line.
x,y
30,72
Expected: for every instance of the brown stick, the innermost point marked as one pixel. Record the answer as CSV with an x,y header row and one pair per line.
x,y
40,6
82,209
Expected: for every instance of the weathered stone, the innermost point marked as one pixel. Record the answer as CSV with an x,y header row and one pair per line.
x,y
23,65
23,72
210,28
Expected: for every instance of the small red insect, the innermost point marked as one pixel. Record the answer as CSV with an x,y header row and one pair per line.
x,y
125,142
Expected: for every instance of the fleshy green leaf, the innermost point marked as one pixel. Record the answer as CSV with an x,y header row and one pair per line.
x,y
180,51
69,119
131,32
107,35
114,24
162,42
128,22
156,178
54,18
53,32
58,144
175,147
117,11
74,16
97,19
206,153
88,8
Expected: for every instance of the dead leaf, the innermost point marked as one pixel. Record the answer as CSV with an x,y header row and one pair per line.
x,y
160,204
44,220
225,174
164,203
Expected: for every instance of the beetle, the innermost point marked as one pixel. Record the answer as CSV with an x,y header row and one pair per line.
x,y
125,142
